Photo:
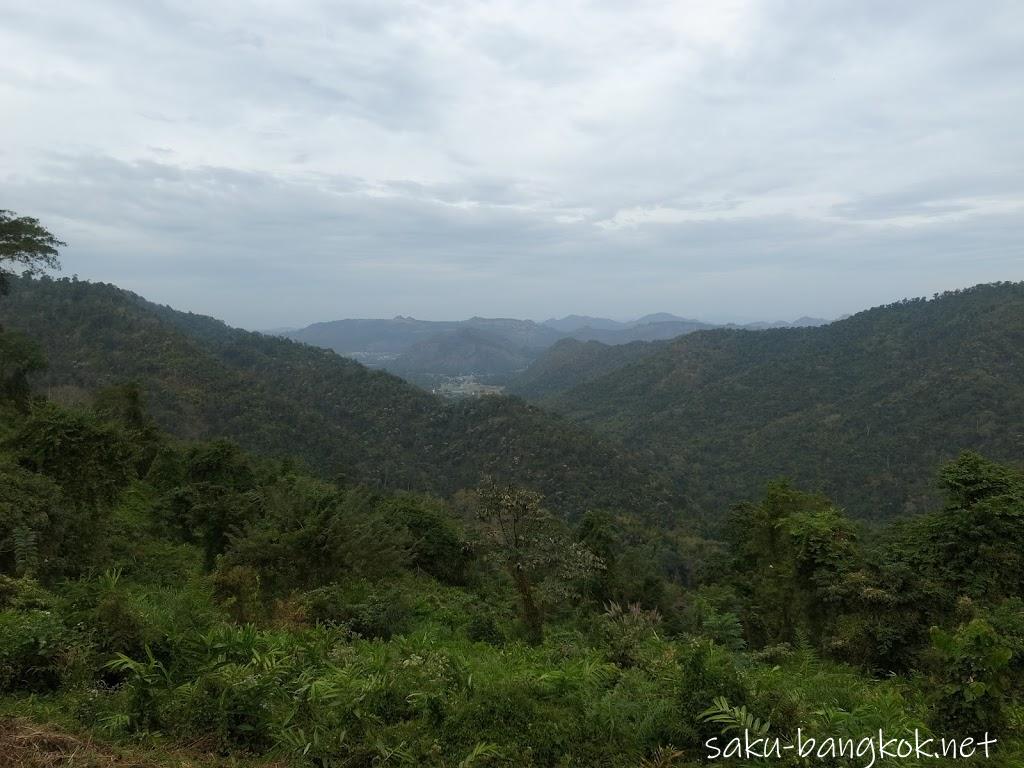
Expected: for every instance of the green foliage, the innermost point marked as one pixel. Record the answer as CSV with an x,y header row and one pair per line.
x,y
19,358
89,460
366,610
724,628
435,544
527,542
303,533
735,719
793,557
195,593
332,630
25,243
975,546
972,676
55,505
36,650
25,594
32,527
483,627
626,631
237,589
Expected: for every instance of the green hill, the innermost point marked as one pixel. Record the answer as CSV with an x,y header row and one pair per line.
x,y
859,408
570,363
463,351
202,378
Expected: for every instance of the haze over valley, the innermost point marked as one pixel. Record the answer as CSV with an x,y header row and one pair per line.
x,y
455,357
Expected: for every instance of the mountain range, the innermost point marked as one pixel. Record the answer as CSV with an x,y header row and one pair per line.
x,y
862,409
492,348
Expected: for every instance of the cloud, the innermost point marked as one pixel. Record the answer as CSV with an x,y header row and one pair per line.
x,y
277,163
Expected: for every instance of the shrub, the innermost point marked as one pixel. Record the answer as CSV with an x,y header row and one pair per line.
x,y
24,594
483,628
237,589
707,672
435,545
119,626
971,677
369,611
626,630
35,650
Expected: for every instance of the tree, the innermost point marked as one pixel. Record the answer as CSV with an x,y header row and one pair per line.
x,y
24,241
435,546
19,357
793,553
971,677
31,522
68,470
536,552
89,460
975,545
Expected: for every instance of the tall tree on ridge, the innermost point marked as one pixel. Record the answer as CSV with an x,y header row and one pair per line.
x,y
24,241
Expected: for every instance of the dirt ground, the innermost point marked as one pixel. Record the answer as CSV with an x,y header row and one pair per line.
x,y
24,744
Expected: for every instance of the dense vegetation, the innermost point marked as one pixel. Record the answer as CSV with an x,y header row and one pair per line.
x,y
187,600
861,409
202,378
570,363
466,351
190,593
190,589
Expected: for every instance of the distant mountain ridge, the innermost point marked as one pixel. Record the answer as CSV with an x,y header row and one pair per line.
x,y
571,323
403,344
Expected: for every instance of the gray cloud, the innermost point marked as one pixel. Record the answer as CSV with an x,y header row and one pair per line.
x,y
277,164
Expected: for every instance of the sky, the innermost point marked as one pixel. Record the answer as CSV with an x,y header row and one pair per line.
x,y
281,162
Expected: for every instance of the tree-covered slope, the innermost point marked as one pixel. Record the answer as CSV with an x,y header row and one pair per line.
x,y
570,363
202,378
859,408
461,352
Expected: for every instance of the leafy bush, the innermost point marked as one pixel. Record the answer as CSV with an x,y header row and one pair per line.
x,y
971,677
435,545
367,610
626,630
32,523
24,594
483,628
237,588
37,652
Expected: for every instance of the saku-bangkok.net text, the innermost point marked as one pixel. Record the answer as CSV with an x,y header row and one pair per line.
x,y
870,750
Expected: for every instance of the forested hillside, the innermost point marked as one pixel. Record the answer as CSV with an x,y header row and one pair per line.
x,y
859,408
202,378
570,363
466,351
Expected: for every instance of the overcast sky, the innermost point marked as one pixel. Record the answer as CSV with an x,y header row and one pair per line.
x,y
281,162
